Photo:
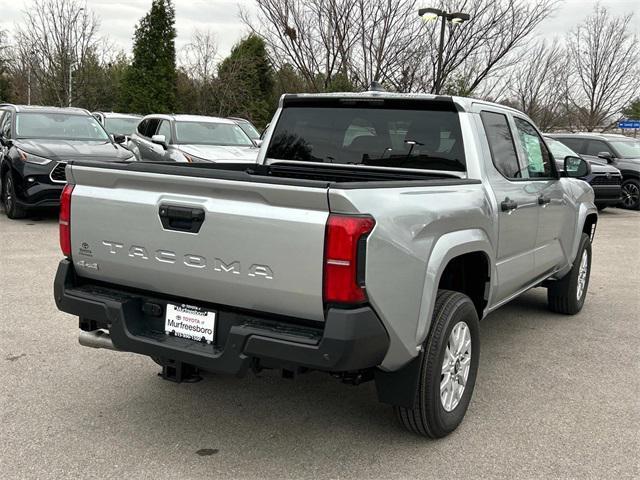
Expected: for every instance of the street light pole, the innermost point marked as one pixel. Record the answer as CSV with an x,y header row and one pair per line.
x,y
71,27
443,25
429,14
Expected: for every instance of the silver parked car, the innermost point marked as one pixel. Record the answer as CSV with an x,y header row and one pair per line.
x,y
118,123
191,138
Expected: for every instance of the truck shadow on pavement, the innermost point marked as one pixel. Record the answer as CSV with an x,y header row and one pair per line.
x,y
283,416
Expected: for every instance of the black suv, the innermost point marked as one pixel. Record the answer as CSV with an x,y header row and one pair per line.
x,y
617,150
605,180
36,143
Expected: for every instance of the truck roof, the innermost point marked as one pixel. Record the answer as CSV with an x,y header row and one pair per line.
x,y
462,103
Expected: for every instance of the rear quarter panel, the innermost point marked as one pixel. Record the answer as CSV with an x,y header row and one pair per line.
x,y
418,229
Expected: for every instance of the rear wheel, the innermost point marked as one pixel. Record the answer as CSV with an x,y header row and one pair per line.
x,y
567,294
631,194
11,207
449,364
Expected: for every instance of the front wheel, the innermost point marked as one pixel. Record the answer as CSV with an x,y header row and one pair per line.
x,y
11,207
449,364
631,194
567,295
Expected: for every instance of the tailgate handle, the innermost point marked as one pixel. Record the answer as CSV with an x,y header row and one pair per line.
x,y
181,219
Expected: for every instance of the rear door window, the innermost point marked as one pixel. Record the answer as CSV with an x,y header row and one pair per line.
x,y
503,150
165,129
594,147
370,136
151,127
142,127
537,157
575,144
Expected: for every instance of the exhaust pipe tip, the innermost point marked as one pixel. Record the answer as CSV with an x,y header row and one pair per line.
x,y
96,339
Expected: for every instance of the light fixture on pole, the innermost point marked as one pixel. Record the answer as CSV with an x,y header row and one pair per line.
x,y
431,14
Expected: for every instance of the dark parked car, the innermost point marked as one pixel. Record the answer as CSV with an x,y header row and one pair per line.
x,y
36,143
617,150
605,179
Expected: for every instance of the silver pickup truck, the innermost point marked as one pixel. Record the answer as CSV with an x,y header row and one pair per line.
x,y
369,239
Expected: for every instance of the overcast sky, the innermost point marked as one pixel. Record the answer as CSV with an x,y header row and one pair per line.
x,y
118,18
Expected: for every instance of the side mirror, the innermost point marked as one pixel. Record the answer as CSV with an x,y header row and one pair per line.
x,y
257,142
576,167
160,140
7,142
606,156
118,138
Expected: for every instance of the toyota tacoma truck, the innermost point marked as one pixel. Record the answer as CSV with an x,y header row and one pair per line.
x,y
372,234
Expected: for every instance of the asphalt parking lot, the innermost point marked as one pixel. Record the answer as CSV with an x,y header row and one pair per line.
x,y
556,396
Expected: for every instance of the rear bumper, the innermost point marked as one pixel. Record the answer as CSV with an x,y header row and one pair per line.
x,y
349,340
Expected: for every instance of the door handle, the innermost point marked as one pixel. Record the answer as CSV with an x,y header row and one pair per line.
x,y
543,200
182,219
508,205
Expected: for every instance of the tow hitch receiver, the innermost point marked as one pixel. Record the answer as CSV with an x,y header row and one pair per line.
x,y
179,372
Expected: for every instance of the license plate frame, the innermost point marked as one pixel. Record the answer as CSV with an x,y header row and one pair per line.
x,y
188,321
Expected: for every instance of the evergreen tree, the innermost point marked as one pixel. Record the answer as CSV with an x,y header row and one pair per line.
x,y
246,83
150,82
632,110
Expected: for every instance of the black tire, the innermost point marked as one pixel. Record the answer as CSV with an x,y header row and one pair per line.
x,y
631,194
428,417
600,207
562,294
11,208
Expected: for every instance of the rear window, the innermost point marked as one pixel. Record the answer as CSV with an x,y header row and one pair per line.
x,y
210,133
383,137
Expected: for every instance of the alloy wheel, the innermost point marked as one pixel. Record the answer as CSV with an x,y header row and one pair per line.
x,y
630,194
455,366
8,194
583,272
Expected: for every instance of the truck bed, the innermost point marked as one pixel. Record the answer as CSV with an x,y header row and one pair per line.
x,y
260,243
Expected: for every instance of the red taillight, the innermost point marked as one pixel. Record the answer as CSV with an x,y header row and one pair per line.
x,y
65,220
345,240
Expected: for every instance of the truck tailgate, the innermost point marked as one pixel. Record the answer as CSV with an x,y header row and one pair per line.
x,y
259,245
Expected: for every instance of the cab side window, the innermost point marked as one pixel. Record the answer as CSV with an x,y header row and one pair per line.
x,y
503,150
575,144
152,126
537,157
164,129
594,147
142,127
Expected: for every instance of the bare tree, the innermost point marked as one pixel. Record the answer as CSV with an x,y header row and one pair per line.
x,y
604,54
387,32
484,46
384,40
538,84
199,60
200,55
55,38
314,36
